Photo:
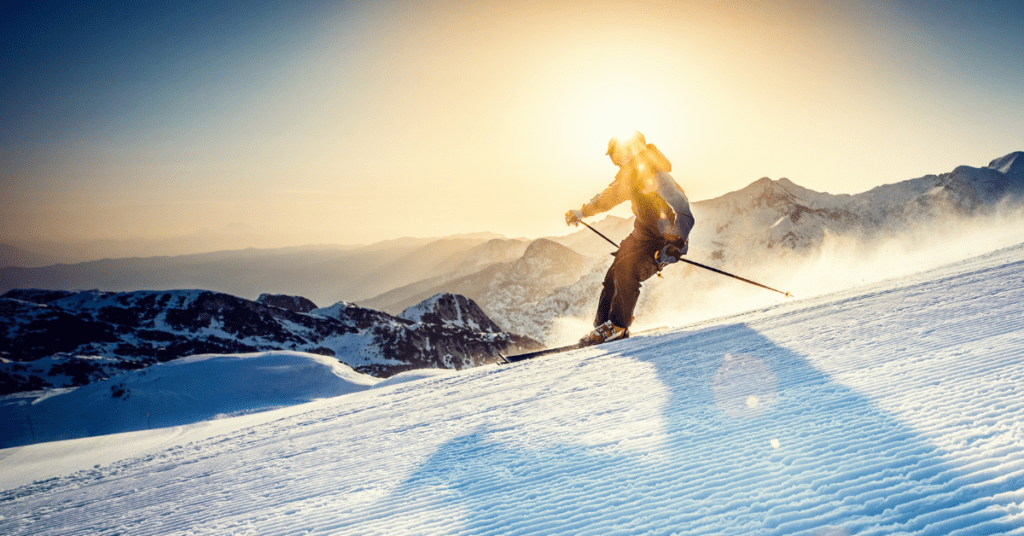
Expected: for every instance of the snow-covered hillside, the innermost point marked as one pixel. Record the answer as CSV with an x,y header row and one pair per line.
x,y
772,219
891,408
184,391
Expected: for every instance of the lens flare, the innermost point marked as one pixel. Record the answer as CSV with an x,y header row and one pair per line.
x,y
744,386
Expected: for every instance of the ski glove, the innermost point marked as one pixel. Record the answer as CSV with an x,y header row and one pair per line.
x,y
668,255
573,217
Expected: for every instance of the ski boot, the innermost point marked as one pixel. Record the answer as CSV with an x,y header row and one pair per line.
x,y
604,333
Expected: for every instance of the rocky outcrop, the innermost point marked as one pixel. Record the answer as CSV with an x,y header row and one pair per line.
x,y
453,310
58,339
297,304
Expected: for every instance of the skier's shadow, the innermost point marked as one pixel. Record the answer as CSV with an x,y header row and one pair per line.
x,y
759,442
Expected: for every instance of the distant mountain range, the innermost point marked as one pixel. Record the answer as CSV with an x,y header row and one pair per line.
x,y
772,218
236,236
63,339
324,274
751,229
524,285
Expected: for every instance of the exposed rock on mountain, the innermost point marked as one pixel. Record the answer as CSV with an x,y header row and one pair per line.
x,y
453,310
297,304
767,218
57,339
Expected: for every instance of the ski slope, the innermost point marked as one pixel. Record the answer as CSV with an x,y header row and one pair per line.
x,y
893,408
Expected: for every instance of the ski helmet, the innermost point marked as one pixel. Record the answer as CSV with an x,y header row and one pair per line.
x,y
634,141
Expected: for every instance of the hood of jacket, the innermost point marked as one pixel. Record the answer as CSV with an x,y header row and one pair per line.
x,y
647,162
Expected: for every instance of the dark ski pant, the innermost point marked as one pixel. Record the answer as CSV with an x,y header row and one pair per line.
x,y
633,264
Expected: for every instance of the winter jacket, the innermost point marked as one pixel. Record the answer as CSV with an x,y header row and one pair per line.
x,y
661,208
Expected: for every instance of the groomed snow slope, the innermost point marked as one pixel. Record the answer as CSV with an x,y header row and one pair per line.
x,y
896,408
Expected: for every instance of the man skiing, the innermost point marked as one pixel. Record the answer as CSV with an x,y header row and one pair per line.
x,y
660,234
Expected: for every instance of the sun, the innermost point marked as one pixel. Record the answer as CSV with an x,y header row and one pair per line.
x,y
607,105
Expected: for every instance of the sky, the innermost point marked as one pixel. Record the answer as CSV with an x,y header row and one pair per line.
x,y
353,122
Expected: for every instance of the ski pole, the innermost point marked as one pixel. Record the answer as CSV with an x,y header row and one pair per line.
x,y
599,233
717,271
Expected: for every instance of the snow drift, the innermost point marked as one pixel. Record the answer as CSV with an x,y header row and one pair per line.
x,y
184,391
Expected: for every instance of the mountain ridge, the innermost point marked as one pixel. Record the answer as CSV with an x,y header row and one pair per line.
x,y
749,230
64,339
752,229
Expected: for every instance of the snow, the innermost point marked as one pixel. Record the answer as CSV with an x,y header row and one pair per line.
x,y
1009,164
416,312
178,392
892,408
415,375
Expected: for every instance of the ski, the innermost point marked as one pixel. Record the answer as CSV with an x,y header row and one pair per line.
x,y
530,355
509,359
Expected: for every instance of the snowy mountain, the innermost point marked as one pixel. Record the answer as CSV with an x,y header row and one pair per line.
x,y
890,408
589,243
508,291
472,260
759,232
297,304
776,218
62,339
451,309
762,230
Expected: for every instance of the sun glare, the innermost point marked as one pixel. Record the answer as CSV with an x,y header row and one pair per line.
x,y
608,105
619,110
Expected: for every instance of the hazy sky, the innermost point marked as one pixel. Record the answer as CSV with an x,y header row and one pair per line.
x,y
351,122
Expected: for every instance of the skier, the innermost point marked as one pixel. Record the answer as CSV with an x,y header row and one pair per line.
x,y
660,234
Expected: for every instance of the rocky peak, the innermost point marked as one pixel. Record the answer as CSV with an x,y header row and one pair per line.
x,y
297,304
451,309
1011,164
768,193
357,317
